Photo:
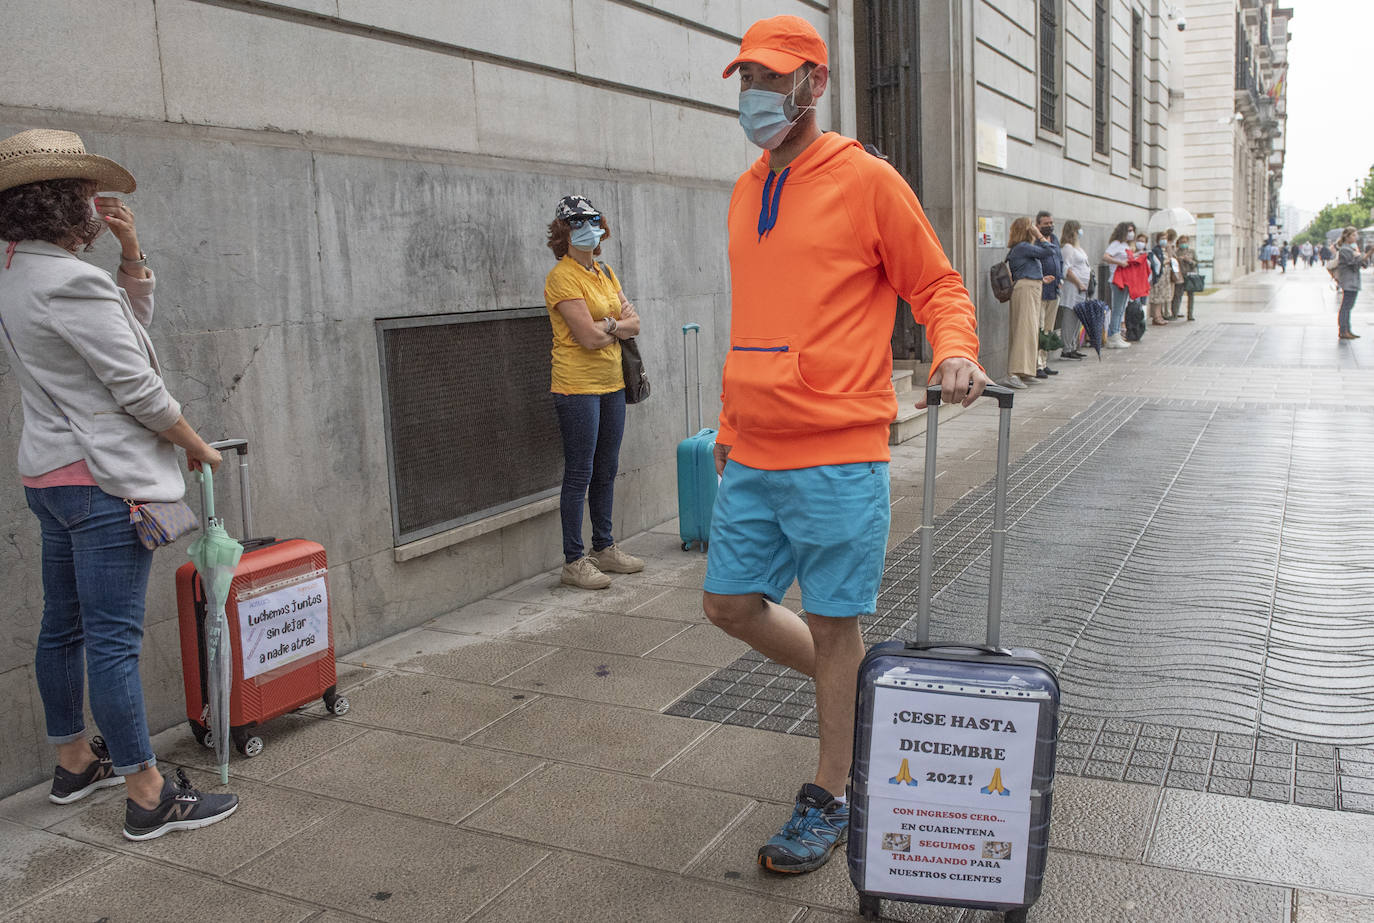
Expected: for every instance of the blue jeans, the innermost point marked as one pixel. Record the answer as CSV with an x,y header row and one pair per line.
x,y
1348,297
95,579
1119,299
592,426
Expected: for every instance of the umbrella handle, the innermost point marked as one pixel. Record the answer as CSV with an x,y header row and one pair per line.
x,y
207,497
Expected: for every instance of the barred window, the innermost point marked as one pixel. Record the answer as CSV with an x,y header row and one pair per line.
x,y
1137,87
1049,65
1102,74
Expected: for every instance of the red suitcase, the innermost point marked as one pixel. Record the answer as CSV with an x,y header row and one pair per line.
x,y
280,631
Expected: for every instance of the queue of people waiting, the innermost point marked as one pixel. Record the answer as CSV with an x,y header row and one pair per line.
x,y
1052,275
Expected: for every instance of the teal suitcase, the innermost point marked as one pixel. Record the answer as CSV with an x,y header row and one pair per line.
x,y
697,481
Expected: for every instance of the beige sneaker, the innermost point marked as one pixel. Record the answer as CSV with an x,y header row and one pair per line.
x,y
583,573
612,560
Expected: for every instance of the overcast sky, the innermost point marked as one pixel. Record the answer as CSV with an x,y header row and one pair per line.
x,y
1330,100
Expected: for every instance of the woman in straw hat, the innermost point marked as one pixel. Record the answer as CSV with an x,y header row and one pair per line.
x,y
99,429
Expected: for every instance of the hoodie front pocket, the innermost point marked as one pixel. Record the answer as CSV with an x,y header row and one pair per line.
x,y
766,392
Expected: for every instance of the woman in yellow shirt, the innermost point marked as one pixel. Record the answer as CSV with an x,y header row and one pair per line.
x,y
590,316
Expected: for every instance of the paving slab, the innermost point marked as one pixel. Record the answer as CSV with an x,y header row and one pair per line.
x,y
613,678
655,824
31,807
1244,838
433,705
487,616
592,734
127,890
288,742
597,631
1102,818
761,764
386,867
682,604
1319,907
579,889
1087,889
545,591
471,658
34,861
266,817
734,861
434,779
703,644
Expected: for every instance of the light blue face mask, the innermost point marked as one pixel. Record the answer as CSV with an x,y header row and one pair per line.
x,y
767,117
586,237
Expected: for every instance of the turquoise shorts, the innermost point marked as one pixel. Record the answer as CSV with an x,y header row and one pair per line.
x,y
825,527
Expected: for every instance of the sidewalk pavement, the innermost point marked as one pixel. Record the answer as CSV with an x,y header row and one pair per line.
x,y
512,760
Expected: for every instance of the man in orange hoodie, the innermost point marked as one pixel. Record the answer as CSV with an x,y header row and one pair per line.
x,y
824,238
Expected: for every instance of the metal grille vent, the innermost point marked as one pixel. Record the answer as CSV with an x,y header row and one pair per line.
x,y
470,424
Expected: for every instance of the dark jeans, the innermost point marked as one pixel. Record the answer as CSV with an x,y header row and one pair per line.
x,y
592,426
95,578
1348,297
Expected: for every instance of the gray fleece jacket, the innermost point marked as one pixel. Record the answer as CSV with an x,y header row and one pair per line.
x,y
92,388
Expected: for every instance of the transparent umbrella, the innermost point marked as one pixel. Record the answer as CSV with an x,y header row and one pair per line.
x,y
1180,219
216,555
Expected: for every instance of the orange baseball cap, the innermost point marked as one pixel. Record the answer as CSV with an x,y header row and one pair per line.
x,y
781,43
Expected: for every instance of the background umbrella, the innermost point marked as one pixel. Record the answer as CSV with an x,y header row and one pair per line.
x,y
1177,218
1092,314
216,555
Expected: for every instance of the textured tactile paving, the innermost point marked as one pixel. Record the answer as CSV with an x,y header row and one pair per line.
x,y
1270,346
1173,561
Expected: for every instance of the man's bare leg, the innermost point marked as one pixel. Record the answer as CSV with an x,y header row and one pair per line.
x,y
839,649
773,630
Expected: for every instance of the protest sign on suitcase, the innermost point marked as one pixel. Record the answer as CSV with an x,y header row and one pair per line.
x,y
953,748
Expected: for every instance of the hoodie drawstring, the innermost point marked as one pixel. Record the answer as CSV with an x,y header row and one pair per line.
x,y
9,252
768,212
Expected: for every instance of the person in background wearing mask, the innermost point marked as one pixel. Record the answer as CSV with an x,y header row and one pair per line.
x,y
99,431
1348,262
590,316
1077,272
1187,265
823,240
1049,293
1118,256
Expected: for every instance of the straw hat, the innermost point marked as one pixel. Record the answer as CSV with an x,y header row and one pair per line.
x,y
43,153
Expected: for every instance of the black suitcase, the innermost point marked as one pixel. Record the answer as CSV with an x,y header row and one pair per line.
x,y
953,748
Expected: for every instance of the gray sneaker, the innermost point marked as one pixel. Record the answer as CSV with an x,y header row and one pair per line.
x,y
612,560
584,574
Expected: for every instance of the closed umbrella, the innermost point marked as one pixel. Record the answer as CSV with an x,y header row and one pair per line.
x,y
1176,218
1092,314
216,556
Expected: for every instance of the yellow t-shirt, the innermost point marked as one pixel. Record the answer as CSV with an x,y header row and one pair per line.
x,y
577,370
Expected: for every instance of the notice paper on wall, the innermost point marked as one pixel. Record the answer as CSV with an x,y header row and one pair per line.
x,y
283,626
950,795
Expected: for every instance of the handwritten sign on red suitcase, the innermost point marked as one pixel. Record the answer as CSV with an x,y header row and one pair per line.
x,y
284,625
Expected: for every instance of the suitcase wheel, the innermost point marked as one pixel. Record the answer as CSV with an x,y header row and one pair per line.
x,y
250,745
202,734
1015,916
336,705
686,546
870,907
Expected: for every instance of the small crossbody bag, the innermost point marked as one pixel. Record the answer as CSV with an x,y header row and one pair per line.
x,y
157,522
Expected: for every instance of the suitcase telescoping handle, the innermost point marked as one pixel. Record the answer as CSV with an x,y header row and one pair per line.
x,y
999,517
686,392
239,446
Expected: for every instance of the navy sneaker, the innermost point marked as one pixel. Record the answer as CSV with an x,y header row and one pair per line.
x,y
819,823
73,786
180,808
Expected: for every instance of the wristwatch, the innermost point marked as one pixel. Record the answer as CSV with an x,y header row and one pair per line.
x,y
141,261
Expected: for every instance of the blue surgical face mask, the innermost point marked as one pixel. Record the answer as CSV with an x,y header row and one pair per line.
x,y
586,237
767,117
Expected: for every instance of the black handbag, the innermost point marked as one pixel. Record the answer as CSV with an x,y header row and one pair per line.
x,y
636,379
1194,282
631,363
